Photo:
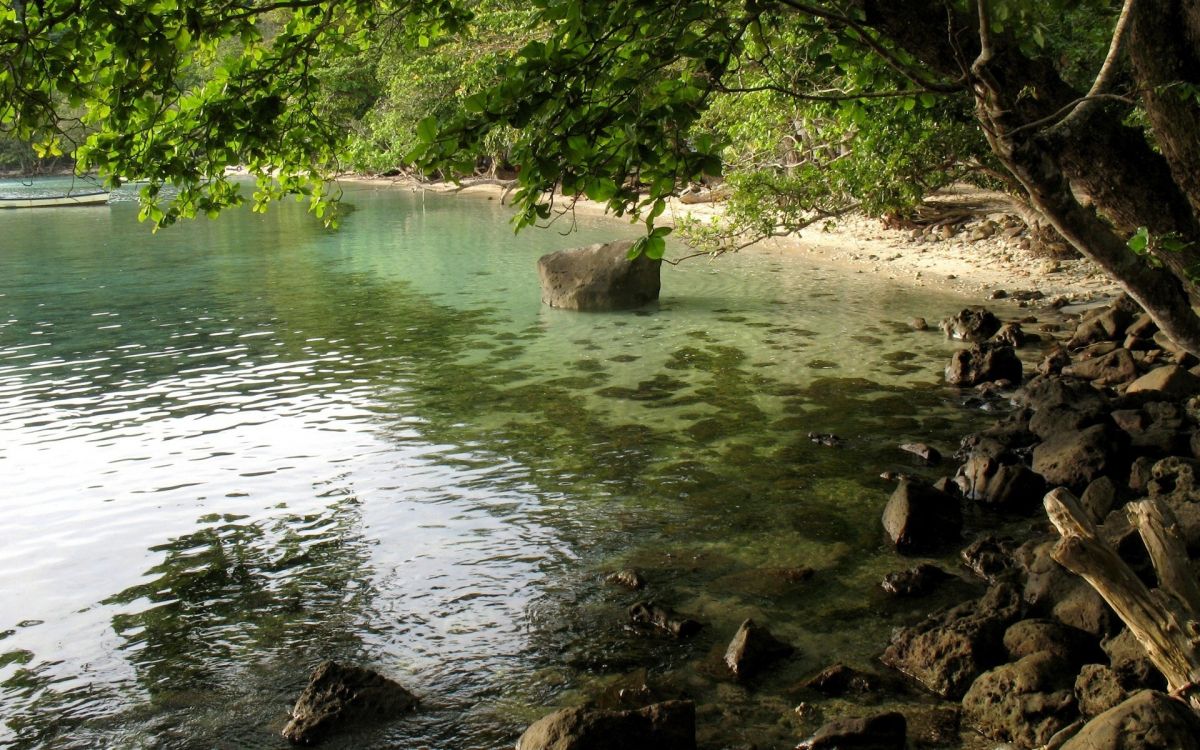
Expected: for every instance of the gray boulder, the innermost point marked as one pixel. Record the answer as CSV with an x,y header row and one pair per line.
x,y
598,277
337,694
1147,721
670,725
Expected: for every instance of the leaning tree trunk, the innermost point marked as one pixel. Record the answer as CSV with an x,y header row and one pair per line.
x,y
1166,621
1017,99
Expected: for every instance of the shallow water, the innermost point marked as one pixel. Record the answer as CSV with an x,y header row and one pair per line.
x,y
235,448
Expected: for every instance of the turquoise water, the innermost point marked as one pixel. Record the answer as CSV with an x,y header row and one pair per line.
x,y
237,447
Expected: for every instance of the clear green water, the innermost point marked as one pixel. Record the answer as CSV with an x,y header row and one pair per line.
x,y
238,447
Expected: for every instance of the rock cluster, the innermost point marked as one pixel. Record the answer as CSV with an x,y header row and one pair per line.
x,y
1114,415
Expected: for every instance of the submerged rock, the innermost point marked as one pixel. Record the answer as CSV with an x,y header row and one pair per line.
x,y
927,454
887,731
670,725
916,581
598,277
839,679
753,648
338,694
648,615
629,578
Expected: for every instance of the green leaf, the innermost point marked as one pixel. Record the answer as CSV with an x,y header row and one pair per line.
x,y
636,248
1140,241
655,247
427,129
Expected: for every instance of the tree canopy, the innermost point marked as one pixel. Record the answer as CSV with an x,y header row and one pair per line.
x,y
1086,110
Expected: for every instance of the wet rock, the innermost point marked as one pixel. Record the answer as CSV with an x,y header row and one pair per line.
x,y
1073,459
629,578
670,725
974,324
1172,381
838,679
1112,368
983,363
338,694
1128,660
598,277
919,518
947,651
1072,646
934,726
1097,689
916,581
887,731
989,557
928,455
1147,721
752,649
1007,487
1026,702
918,324
648,615
1010,334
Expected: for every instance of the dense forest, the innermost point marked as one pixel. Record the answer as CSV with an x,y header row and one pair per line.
x,y
1085,111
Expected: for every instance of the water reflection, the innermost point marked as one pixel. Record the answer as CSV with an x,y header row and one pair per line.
x,y
241,447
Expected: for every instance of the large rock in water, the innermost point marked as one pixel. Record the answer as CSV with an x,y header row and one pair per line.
x,y
337,694
983,363
919,518
1147,721
670,725
598,277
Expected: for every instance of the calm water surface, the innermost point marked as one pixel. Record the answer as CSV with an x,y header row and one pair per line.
x,y
235,448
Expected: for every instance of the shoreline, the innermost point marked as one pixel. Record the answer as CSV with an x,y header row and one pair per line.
x,y
993,265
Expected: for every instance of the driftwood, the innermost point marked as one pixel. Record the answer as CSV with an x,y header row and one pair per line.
x,y
1166,621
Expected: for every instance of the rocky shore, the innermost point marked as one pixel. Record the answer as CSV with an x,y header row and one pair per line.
x,y
1092,401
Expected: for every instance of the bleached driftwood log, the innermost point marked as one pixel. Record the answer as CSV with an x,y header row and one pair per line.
x,y
1166,621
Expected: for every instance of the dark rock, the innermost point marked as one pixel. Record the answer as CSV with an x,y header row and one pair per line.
x,y
947,651
1142,328
1105,324
974,324
670,725
838,680
1173,481
1147,721
1053,591
927,454
998,294
825,438
1054,361
1182,356
1073,459
1099,498
1097,689
753,648
1171,381
1048,391
1010,334
983,363
888,731
1128,660
1007,487
629,578
918,324
919,518
916,581
1071,646
1026,702
1156,428
1112,368
989,557
648,615
1139,474
934,726
598,277
337,694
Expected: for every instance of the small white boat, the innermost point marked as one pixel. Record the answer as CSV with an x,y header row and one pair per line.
x,y
95,198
